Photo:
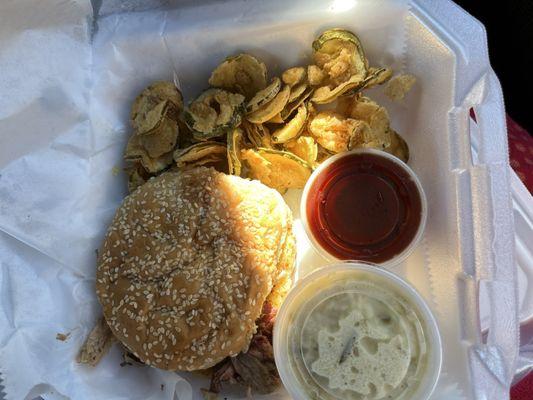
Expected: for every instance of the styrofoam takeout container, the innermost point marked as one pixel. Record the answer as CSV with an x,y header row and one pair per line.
x,y
468,243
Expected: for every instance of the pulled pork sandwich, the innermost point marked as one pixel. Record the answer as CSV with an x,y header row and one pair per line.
x,y
193,267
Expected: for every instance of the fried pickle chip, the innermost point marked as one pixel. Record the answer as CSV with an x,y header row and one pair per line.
x,y
153,149
185,137
293,76
344,105
377,118
135,151
270,109
323,154
244,74
327,94
398,86
292,128
234,151
294,105
398,147
361,136
137,175
257,134
156,102
214,113
265,95
333,131
280,170
379,125
340,55
304,147
200,154
361,108
276,119
297,91
315,76
148,120
265,136
161,141
259,167
154,118
377,76
288,170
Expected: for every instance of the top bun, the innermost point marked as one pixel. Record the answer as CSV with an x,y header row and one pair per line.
x,y
187,264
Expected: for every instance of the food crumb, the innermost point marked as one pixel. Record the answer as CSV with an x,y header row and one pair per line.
x,y
62,336
398,86
97,344
115,170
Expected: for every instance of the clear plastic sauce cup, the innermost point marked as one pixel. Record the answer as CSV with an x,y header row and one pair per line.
x,y
365,205
356,331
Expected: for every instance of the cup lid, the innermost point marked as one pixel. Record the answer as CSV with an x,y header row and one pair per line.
x,y
354,329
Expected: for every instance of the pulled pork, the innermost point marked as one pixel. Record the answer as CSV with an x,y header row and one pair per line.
x,y
256,368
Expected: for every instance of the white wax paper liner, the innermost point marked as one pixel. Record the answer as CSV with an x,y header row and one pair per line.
x,y
66,95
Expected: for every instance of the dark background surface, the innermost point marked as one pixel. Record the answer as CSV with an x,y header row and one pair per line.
x,y
509,25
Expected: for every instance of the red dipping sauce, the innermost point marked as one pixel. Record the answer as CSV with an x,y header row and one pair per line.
x,y
364,206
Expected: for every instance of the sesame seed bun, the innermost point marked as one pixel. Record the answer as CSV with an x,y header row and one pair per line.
x,y
187,264
285,270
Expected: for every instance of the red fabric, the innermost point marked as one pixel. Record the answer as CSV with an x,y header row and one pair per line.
x,y
523,390
521,153
521,159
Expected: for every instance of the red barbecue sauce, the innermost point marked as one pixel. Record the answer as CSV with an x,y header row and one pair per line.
x,y
364,207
